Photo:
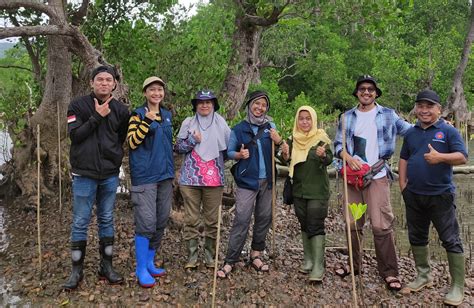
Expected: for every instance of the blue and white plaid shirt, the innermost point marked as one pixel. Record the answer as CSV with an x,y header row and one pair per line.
x,y
389,125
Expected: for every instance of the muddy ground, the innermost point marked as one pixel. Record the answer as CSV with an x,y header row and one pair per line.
x,y
282,286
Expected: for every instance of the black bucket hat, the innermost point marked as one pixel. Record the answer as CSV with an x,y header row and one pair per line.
x,y
429,96
204,95
367,78
256,95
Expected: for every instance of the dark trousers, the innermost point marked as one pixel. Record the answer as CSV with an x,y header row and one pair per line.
x,y
151,207
421,210
248,202
311,214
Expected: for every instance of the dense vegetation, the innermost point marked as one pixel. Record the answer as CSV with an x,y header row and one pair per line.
x,y
300,51
312,56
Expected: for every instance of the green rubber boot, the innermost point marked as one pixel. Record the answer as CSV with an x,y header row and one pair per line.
x,y
455,295
308,257
318,244
192,254
422,264
209,251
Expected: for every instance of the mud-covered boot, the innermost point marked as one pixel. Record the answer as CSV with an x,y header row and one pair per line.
x,y
318,245
106,270
192,254
422,264
455,295
209,252
307,265
78,253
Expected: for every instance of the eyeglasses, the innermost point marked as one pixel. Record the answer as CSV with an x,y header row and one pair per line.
x,y
370,89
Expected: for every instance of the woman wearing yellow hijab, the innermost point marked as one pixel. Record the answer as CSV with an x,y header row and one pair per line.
x,y
310,155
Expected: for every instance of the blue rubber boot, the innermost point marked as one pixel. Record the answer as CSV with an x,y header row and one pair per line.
x,y
144,278
150,264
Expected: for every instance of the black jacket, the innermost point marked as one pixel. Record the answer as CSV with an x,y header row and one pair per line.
x,y
96,141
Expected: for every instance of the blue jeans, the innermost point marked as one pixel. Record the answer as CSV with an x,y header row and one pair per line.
x,y
86,192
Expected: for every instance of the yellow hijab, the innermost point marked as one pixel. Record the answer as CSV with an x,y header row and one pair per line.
x,y
303,142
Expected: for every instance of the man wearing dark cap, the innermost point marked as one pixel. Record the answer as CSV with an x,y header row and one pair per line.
x,y
370,133
97,126
430,150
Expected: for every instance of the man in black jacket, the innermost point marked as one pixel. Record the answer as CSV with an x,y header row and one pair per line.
x,y
97,126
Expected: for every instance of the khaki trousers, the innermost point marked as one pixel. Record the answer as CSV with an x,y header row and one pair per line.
x,y
379,213
210,198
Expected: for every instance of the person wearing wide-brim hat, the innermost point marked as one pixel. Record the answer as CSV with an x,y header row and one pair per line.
x,y
251,146
152,172
370,136
203,139
430,150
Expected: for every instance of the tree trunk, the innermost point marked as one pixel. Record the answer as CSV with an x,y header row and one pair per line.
x,y
457,104
57,93
243,65
63,41
244,61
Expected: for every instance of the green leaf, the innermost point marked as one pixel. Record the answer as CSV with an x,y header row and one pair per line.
x,y
357,210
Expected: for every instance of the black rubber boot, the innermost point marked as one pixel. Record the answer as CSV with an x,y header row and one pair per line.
x,y
78,252
106,270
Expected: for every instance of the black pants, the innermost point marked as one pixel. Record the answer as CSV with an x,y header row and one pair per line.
x,y
311,214
421,210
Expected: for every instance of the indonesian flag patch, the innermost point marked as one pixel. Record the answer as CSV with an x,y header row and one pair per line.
x,y
71,118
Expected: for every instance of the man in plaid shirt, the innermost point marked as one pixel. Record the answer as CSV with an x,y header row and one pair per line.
x,y
370,134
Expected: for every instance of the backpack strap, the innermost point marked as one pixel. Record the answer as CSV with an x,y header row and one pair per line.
x,y
260,132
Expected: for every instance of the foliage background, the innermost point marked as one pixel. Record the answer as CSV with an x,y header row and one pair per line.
x,y
312,56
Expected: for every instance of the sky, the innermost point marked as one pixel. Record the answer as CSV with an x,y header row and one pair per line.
x,y
186,3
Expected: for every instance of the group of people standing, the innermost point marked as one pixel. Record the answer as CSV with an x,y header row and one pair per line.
x,y
98,125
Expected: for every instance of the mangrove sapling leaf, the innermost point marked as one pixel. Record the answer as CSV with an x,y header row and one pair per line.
x,y
357,210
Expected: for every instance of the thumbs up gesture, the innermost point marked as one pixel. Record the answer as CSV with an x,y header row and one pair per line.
x,y
433,157
244,153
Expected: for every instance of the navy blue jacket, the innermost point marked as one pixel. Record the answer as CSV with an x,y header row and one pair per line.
x,y
246,170
152,161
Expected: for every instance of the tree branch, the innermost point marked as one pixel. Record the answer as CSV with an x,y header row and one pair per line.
x,y
80,14
35,30
30,4
34,56
82,48
16,66
266,21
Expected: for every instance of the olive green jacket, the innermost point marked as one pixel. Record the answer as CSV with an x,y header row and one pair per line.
x,y
310,178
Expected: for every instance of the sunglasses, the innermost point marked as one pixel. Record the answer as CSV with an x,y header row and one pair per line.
x,y
369,89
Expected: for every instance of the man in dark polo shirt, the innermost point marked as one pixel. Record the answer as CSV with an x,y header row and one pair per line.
x,y
430,150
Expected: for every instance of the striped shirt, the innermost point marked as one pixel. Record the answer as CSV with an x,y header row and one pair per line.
x,y
137,130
